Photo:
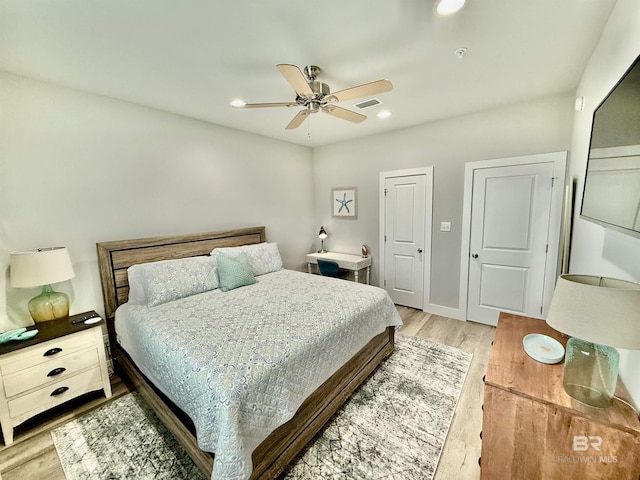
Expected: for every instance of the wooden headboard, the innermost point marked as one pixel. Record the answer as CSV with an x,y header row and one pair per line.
x,y
115,257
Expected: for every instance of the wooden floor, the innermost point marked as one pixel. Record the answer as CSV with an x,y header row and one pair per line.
x,y
32,455
461,451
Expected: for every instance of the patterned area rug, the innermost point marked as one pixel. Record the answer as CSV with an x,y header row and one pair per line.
x,y
122,440
394,427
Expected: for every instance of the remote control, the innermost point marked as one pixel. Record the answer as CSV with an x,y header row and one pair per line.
x,y
85,317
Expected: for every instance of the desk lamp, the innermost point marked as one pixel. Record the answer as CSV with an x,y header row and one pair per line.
x,y
322,235
41,267
599,313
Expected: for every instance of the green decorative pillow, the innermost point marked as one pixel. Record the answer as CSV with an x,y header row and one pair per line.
x,y
234,272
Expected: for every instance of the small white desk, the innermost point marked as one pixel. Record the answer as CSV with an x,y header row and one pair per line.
x,y
355,263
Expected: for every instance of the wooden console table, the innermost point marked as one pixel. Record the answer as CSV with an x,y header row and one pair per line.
x,y
532,429
346,261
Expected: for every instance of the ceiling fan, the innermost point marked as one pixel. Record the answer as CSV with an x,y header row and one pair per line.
x,y
316,96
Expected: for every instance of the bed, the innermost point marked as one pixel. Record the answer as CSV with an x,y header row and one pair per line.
x,y
272,423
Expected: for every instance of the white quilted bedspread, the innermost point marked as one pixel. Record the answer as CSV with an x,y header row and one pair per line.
x,y
240,363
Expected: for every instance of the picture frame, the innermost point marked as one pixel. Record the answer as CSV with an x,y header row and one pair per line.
x,y
344,202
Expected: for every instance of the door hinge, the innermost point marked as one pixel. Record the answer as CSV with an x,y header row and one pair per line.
x,y
540,309
385,282
386,190
546,250
385,239
553,181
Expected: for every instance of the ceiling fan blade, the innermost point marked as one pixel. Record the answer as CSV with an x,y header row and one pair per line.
x,y
365,90
265,105
295,77
297,120
344,114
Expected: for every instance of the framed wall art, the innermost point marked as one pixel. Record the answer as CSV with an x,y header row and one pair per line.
x,y
344,202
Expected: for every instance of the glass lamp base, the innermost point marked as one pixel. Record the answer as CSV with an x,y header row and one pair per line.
x,y
49,305
590,372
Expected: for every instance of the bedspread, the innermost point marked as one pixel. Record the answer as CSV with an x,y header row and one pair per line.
x,y
240,363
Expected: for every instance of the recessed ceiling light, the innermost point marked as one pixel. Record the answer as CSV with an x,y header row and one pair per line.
x,y
445,8
238,103
383,114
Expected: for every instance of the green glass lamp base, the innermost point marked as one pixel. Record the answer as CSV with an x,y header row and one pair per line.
x,y
49,305
590,372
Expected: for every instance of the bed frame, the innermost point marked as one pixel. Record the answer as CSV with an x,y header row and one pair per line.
x,y
273,455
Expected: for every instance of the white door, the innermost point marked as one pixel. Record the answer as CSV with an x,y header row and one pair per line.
x,y
404,239
510,215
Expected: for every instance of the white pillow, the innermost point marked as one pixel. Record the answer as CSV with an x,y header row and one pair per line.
x,y
262,257
136,286
160,282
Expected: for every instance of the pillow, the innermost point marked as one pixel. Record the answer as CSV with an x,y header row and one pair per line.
x,y
171,279
262,257
234,272
136,286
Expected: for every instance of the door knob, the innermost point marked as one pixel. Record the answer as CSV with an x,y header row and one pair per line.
x,y
419,250
474,255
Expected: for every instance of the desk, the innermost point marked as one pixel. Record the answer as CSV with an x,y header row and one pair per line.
x,y
532,429
355,263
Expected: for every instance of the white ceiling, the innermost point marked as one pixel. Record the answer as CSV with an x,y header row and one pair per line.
x,y
192,57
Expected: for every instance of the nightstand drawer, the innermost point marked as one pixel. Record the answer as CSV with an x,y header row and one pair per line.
x,y
49,371
56,393
45,352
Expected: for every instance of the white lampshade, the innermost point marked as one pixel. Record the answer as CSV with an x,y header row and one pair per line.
x,y
597,309
40,266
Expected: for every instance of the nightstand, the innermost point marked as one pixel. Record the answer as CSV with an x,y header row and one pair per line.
x,y
533,430
63,361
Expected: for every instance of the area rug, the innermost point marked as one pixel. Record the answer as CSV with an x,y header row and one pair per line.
x,y
393,427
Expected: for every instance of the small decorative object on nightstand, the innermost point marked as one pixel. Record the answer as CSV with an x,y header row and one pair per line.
x,y
65,360
41,267
365,251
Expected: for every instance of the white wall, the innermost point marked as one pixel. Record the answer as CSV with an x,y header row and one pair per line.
x,y
76,169
534,127
596,250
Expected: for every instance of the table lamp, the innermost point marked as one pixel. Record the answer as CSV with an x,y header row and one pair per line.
x,y
322,235
598,313
42,267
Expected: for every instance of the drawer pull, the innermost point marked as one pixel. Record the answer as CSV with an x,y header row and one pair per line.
x,y
56,371
59,391
52,351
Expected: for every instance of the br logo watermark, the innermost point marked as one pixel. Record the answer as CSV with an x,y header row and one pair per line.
x,y
592,444
582,443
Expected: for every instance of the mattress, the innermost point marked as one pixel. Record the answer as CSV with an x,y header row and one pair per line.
x,y
241,362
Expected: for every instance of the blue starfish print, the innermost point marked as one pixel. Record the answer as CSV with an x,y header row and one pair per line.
x,y
344,203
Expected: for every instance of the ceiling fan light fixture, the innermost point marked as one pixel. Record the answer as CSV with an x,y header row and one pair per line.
x,y
444,8
315,96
